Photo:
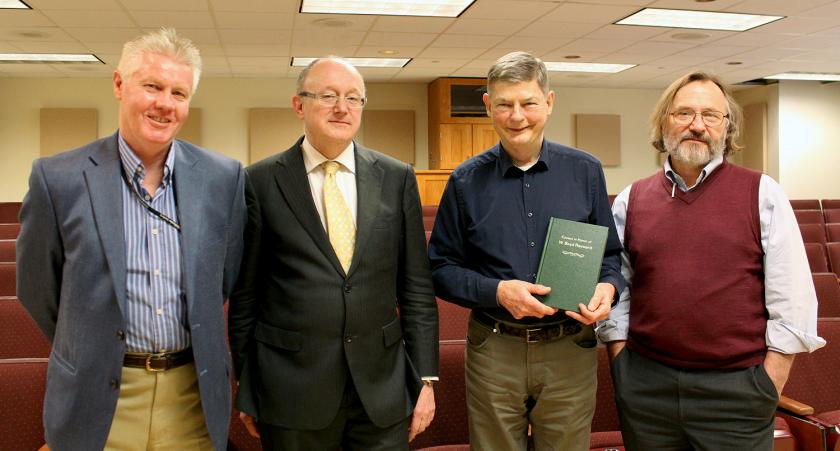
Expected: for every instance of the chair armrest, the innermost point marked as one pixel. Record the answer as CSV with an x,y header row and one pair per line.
x,y
794,406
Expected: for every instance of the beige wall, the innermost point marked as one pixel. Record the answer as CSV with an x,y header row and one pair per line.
x,y
809,139
225,104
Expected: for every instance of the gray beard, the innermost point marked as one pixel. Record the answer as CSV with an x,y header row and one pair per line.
x,y
693,153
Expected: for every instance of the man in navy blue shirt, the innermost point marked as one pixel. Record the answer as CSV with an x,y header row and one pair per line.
x,y
526,363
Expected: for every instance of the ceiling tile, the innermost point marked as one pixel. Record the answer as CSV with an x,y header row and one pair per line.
x,y
256,49
412,24
532,44
199,36
24,18
487,26
752,39
592,45
777,7
114,19
319,50
249,20
87,5
627,32
716,5
552,29
237,36
118,35
317,37
376,38
165,5
50,47
447,52
279,6
468,72
810,43
333,23
657,48
798,25
104,48
375,51
35,34
684,36
626,58
435,63
20,69
719,51
466,40
560,55
271,63
501,9
174,19
587,13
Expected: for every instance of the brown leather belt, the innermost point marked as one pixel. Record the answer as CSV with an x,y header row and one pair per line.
x,y
158,362
531,334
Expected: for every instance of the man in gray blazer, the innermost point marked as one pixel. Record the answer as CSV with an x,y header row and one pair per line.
x,y
128,247
333,323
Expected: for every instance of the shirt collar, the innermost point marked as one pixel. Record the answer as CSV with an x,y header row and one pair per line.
x,y
707,170
508,168
133,167
313,159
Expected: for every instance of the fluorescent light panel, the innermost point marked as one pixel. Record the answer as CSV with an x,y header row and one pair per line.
x,y
437,8
13,4
804,76
706,20
359,62
49,58
587,67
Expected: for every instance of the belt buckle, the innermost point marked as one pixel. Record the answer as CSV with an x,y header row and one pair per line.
x,y
528,333
149,362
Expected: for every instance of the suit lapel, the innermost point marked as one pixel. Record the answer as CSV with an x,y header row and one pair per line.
x,y
189,188
293,183
369,196
104,187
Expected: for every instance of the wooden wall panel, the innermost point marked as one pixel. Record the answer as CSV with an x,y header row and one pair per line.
x,y
600,135
390,132
67,128
271,130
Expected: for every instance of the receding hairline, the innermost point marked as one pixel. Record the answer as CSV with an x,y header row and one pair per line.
x,y
304,74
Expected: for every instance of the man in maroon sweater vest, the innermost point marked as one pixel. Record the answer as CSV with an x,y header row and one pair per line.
x,y
719,297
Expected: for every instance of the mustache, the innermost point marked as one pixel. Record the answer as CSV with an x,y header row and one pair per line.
x,y
696,136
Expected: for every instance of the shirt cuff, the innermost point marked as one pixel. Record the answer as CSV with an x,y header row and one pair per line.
x,y
611,330
783,337
429,378
487,289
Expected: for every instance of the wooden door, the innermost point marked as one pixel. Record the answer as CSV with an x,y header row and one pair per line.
x,y
456,145
484,137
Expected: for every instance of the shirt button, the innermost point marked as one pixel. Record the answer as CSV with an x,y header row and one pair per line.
x,y
147,198
159,311
348,288
115,383
157,271
154,231
532,244
121,334
530,214
527,185
348,339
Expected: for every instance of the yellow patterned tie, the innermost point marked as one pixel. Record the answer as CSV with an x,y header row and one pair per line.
x,y
340,227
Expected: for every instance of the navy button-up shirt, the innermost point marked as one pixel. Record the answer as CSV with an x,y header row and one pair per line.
x,y
493,218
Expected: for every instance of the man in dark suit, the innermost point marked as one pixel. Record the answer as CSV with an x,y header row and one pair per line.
x,y
128,247
333,323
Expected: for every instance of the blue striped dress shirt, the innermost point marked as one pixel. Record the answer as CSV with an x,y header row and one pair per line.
x,y
156,306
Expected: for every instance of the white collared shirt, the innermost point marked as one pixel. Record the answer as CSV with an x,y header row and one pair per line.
x,y
345,177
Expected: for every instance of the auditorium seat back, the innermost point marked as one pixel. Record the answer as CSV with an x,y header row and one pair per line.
x,y
7,279
809,216
9,231
832,232
817,258
9,212
22,396
7,251
805,204
813,233
450,427
828,295
20,337
452,320
832,215
833,250
829,204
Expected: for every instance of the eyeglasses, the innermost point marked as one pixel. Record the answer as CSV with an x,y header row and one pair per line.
x,y
710,118
352,101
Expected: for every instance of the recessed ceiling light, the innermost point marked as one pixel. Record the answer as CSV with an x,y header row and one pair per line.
x,y
804,76
332,23
359,62
707,20
689,36
49,58
572,57
559,66
388,52
734,63
439,8
13,4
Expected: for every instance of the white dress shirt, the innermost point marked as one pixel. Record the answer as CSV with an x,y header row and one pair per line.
x,y
345,177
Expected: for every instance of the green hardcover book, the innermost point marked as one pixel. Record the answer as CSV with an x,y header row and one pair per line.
x,y
571,262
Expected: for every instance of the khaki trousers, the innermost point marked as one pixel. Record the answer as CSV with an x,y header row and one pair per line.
x,y
550,385
159,411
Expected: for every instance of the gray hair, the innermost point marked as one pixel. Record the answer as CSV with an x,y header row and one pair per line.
x,y
516,67
659,118
301,80
164,41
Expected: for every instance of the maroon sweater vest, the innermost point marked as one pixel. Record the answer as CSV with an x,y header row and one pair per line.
x,y
697,297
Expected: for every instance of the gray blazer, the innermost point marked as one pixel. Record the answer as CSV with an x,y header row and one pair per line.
x,y
300,328
71,277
